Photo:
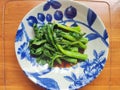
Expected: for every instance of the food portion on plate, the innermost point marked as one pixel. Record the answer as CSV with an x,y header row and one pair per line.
x,y
55,43
65,38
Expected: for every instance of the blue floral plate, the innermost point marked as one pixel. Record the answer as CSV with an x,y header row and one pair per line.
x,y
71,13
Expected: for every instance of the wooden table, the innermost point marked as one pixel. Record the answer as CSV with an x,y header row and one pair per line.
x,y
13,78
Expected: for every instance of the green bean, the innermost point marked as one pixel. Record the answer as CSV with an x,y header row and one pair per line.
x,y
51,36
81,45
47,46
35,28
47,38
67,36
77,36
39,51
36,52
32,51
77,28
75,49
68,28
38,42
41,60
47,53
54,57
59,61
64,41
38,33
84,40
72,54
70,60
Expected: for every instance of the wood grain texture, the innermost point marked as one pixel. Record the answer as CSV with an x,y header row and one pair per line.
x,y
1,50
14,76
115,62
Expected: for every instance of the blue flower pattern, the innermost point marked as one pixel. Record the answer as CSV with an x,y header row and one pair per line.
x,y
91,68
91,17
76,81
19,35
23,51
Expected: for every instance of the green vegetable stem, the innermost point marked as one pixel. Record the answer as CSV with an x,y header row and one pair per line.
x,y
56,43
72,54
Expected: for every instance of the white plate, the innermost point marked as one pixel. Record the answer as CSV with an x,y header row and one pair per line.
x,y
64,12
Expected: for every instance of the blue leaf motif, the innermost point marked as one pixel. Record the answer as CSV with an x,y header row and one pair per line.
x,y
95,54
32,20
77,82
45,82
74,76
22,50
33,74
101,53
91,17
68,78
105,35
55,4
88,72
20,33
46,6
103,61
92,36
48,83
85,64
99,64
72,87
45,71
23,55
94,72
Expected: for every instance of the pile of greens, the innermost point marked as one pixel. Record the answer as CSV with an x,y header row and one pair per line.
x,y
55,43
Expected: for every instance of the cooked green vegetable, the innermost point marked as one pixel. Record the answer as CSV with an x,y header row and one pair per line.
x,y
72,54
67,36
70,60
80,44
75,29
57,43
